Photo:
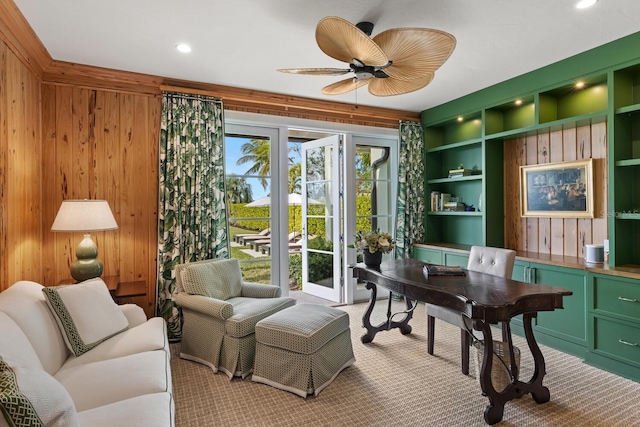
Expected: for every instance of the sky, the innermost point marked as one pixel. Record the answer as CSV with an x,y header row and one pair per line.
x,y
232,154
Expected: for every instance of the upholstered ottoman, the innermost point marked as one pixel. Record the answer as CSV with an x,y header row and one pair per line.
x,y
301,349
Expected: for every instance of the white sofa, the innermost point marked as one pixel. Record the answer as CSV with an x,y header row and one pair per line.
x,y
124,380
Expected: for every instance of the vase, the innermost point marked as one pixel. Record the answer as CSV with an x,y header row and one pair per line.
x,y
372,259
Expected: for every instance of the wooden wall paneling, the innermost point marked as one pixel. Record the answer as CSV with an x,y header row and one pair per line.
x,y
509,162
520,221
108,172
585,232
66,243
4,166
601,181
531,236
32,251
50,193
143,203
544,224
127,191
152,158
22,232
557,224
570,224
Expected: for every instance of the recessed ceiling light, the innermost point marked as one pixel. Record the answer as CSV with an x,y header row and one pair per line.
x,y
184,48
582,4
460,118
579,85
518,102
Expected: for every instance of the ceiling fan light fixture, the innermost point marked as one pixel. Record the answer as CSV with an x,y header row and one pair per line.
x,y
408,56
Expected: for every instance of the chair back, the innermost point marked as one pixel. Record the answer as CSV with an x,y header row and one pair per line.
x,y
495,261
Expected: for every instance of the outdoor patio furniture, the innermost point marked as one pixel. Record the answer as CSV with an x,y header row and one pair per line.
x,y
264,232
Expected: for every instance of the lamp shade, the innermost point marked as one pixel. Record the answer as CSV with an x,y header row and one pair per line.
x,y
84,215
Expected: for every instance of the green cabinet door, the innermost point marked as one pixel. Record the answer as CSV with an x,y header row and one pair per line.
x,y
454,259
432,256
567,327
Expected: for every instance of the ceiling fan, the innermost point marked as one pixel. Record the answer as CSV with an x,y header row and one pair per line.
x,y
396,61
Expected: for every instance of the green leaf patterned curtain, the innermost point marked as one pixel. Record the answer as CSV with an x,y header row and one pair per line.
x,y
410,208
192,218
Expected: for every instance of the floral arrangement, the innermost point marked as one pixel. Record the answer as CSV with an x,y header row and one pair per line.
x,y
374,241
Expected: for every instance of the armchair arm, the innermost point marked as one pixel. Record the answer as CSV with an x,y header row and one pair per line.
x,y
135,315
206,305
257,290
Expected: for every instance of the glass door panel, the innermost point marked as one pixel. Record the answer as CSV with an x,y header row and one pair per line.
x,y
321,260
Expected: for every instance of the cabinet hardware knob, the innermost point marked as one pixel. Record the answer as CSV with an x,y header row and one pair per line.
x,y
631,344
627,299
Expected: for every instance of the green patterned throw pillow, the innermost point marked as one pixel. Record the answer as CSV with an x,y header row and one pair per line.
x,y
86,314
31,397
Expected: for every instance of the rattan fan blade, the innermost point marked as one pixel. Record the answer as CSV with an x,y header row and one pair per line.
x,y
414,52
391,86
344,86
343,41
316,71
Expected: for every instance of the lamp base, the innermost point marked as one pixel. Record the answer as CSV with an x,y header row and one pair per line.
x,y
85,269
87,266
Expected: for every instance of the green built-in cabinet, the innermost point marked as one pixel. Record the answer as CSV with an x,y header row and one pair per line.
x,y
624,161
475,140
614,324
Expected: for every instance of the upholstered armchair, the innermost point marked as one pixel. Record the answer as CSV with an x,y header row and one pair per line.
x,y
495,261
220,314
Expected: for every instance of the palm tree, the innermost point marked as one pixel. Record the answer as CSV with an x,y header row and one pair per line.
x,y
238,190
257,152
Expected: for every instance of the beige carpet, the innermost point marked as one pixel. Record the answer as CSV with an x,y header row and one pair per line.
x,y
394,382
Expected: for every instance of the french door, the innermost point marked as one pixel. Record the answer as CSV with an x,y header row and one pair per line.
x,y
321,230
349,184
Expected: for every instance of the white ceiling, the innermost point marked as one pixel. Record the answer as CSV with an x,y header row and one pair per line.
x,y
241,43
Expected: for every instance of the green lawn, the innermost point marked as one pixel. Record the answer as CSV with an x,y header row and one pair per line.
x,y
257,272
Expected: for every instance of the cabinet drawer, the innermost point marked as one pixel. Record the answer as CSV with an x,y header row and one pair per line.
x,y
455,260
617,296
432,256
620,340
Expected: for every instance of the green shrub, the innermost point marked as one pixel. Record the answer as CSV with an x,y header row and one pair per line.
x,y
320,265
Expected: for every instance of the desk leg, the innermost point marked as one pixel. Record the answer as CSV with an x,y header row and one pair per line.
x,y
516,389
389,324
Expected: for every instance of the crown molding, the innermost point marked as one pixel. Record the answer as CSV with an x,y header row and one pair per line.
x,y
18,35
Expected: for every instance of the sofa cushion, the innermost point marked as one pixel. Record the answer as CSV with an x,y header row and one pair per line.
x,y
149,336
25,303
249,311
29,396
85,313
219,279
158,412
15,348
108,381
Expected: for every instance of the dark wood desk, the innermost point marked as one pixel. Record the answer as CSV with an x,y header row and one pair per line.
x,y
483,298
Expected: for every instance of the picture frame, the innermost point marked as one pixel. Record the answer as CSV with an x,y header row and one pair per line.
x,y
557,190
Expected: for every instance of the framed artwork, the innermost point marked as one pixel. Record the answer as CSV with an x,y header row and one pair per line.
x,y
557,190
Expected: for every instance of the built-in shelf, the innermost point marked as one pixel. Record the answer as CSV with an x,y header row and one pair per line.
x,y
628,109
460,178
628,162
455,145
458,213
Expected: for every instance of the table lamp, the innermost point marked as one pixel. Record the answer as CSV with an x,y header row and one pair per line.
x,y
85,215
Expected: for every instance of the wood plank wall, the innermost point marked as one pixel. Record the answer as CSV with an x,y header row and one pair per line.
x,y
102,145
557,236
20,161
